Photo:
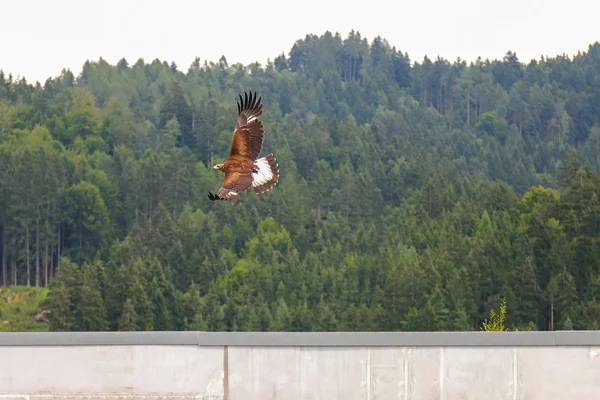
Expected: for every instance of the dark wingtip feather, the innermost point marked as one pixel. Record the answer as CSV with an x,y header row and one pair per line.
x,y
250,102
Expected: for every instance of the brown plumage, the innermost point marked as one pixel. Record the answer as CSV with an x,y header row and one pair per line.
x,y
243,168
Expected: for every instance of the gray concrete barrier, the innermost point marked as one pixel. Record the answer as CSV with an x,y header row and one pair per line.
x,y
263,366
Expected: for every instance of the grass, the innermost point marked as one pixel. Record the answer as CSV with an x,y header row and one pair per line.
x,y
18,306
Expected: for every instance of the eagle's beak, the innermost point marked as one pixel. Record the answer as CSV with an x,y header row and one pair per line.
x,y
216,167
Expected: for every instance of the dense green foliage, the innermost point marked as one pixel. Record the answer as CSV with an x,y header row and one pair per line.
x,y
413,195
21,309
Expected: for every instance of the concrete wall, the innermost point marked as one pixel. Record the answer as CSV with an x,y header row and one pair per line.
x,y
328,366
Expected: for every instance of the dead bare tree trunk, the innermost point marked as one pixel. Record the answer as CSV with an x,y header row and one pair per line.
x,y
3,121
58,249
46,237
177,177
4,269
52,264
14,262
27,250
440,90
468,107
552,313
37,250
150,217
46,262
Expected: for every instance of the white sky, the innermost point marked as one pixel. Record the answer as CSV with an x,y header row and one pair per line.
x,y
38,38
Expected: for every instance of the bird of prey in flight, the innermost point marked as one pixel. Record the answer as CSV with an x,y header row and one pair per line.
x,y
243,169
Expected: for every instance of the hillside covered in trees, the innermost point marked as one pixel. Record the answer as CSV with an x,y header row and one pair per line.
x,y
414,195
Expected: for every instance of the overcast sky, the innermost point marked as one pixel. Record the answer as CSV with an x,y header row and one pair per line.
x,y
38,38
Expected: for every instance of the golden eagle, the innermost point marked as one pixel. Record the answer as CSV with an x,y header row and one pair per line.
x,y
243,168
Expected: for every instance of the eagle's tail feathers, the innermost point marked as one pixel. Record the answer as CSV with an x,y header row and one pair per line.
x,y
267,176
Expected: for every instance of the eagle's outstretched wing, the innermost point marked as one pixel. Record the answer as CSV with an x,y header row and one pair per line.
x,y
233,183
248,134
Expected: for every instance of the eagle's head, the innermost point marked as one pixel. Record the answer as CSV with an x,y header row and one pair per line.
x,y
219,167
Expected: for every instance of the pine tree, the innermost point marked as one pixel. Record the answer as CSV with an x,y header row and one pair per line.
x,y
61,316
63,298
91,314
162,316
129,318
282,317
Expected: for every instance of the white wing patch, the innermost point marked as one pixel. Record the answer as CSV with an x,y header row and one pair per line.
x,y
264,173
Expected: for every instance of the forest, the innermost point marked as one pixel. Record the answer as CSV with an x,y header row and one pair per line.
x,y
414,195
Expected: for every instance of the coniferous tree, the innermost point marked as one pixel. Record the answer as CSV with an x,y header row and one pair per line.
x,y
129,318
91,314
